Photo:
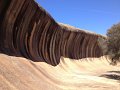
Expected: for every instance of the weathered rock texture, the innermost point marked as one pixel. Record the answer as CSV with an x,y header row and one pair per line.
x,y
27,30
18,73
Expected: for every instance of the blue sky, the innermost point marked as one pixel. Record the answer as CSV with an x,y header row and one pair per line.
x,y
92,15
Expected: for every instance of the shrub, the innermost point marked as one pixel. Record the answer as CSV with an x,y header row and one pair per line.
x,y
113,43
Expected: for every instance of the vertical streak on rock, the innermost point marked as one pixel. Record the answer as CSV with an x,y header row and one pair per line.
x,y
27,30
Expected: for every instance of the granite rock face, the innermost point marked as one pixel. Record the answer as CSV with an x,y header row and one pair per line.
x,y
27,30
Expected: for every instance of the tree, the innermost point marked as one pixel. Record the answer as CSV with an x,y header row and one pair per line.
x,y
113,43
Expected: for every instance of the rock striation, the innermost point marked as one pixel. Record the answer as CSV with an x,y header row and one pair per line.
x,y
27,30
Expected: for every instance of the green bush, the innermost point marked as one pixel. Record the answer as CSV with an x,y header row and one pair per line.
x,y
113,42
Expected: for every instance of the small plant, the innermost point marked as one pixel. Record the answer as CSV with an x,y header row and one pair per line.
x,y
113,43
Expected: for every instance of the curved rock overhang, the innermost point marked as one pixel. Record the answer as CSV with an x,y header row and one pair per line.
x,y
27,30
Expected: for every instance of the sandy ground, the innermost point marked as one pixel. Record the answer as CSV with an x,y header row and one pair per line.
x,y
17,73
